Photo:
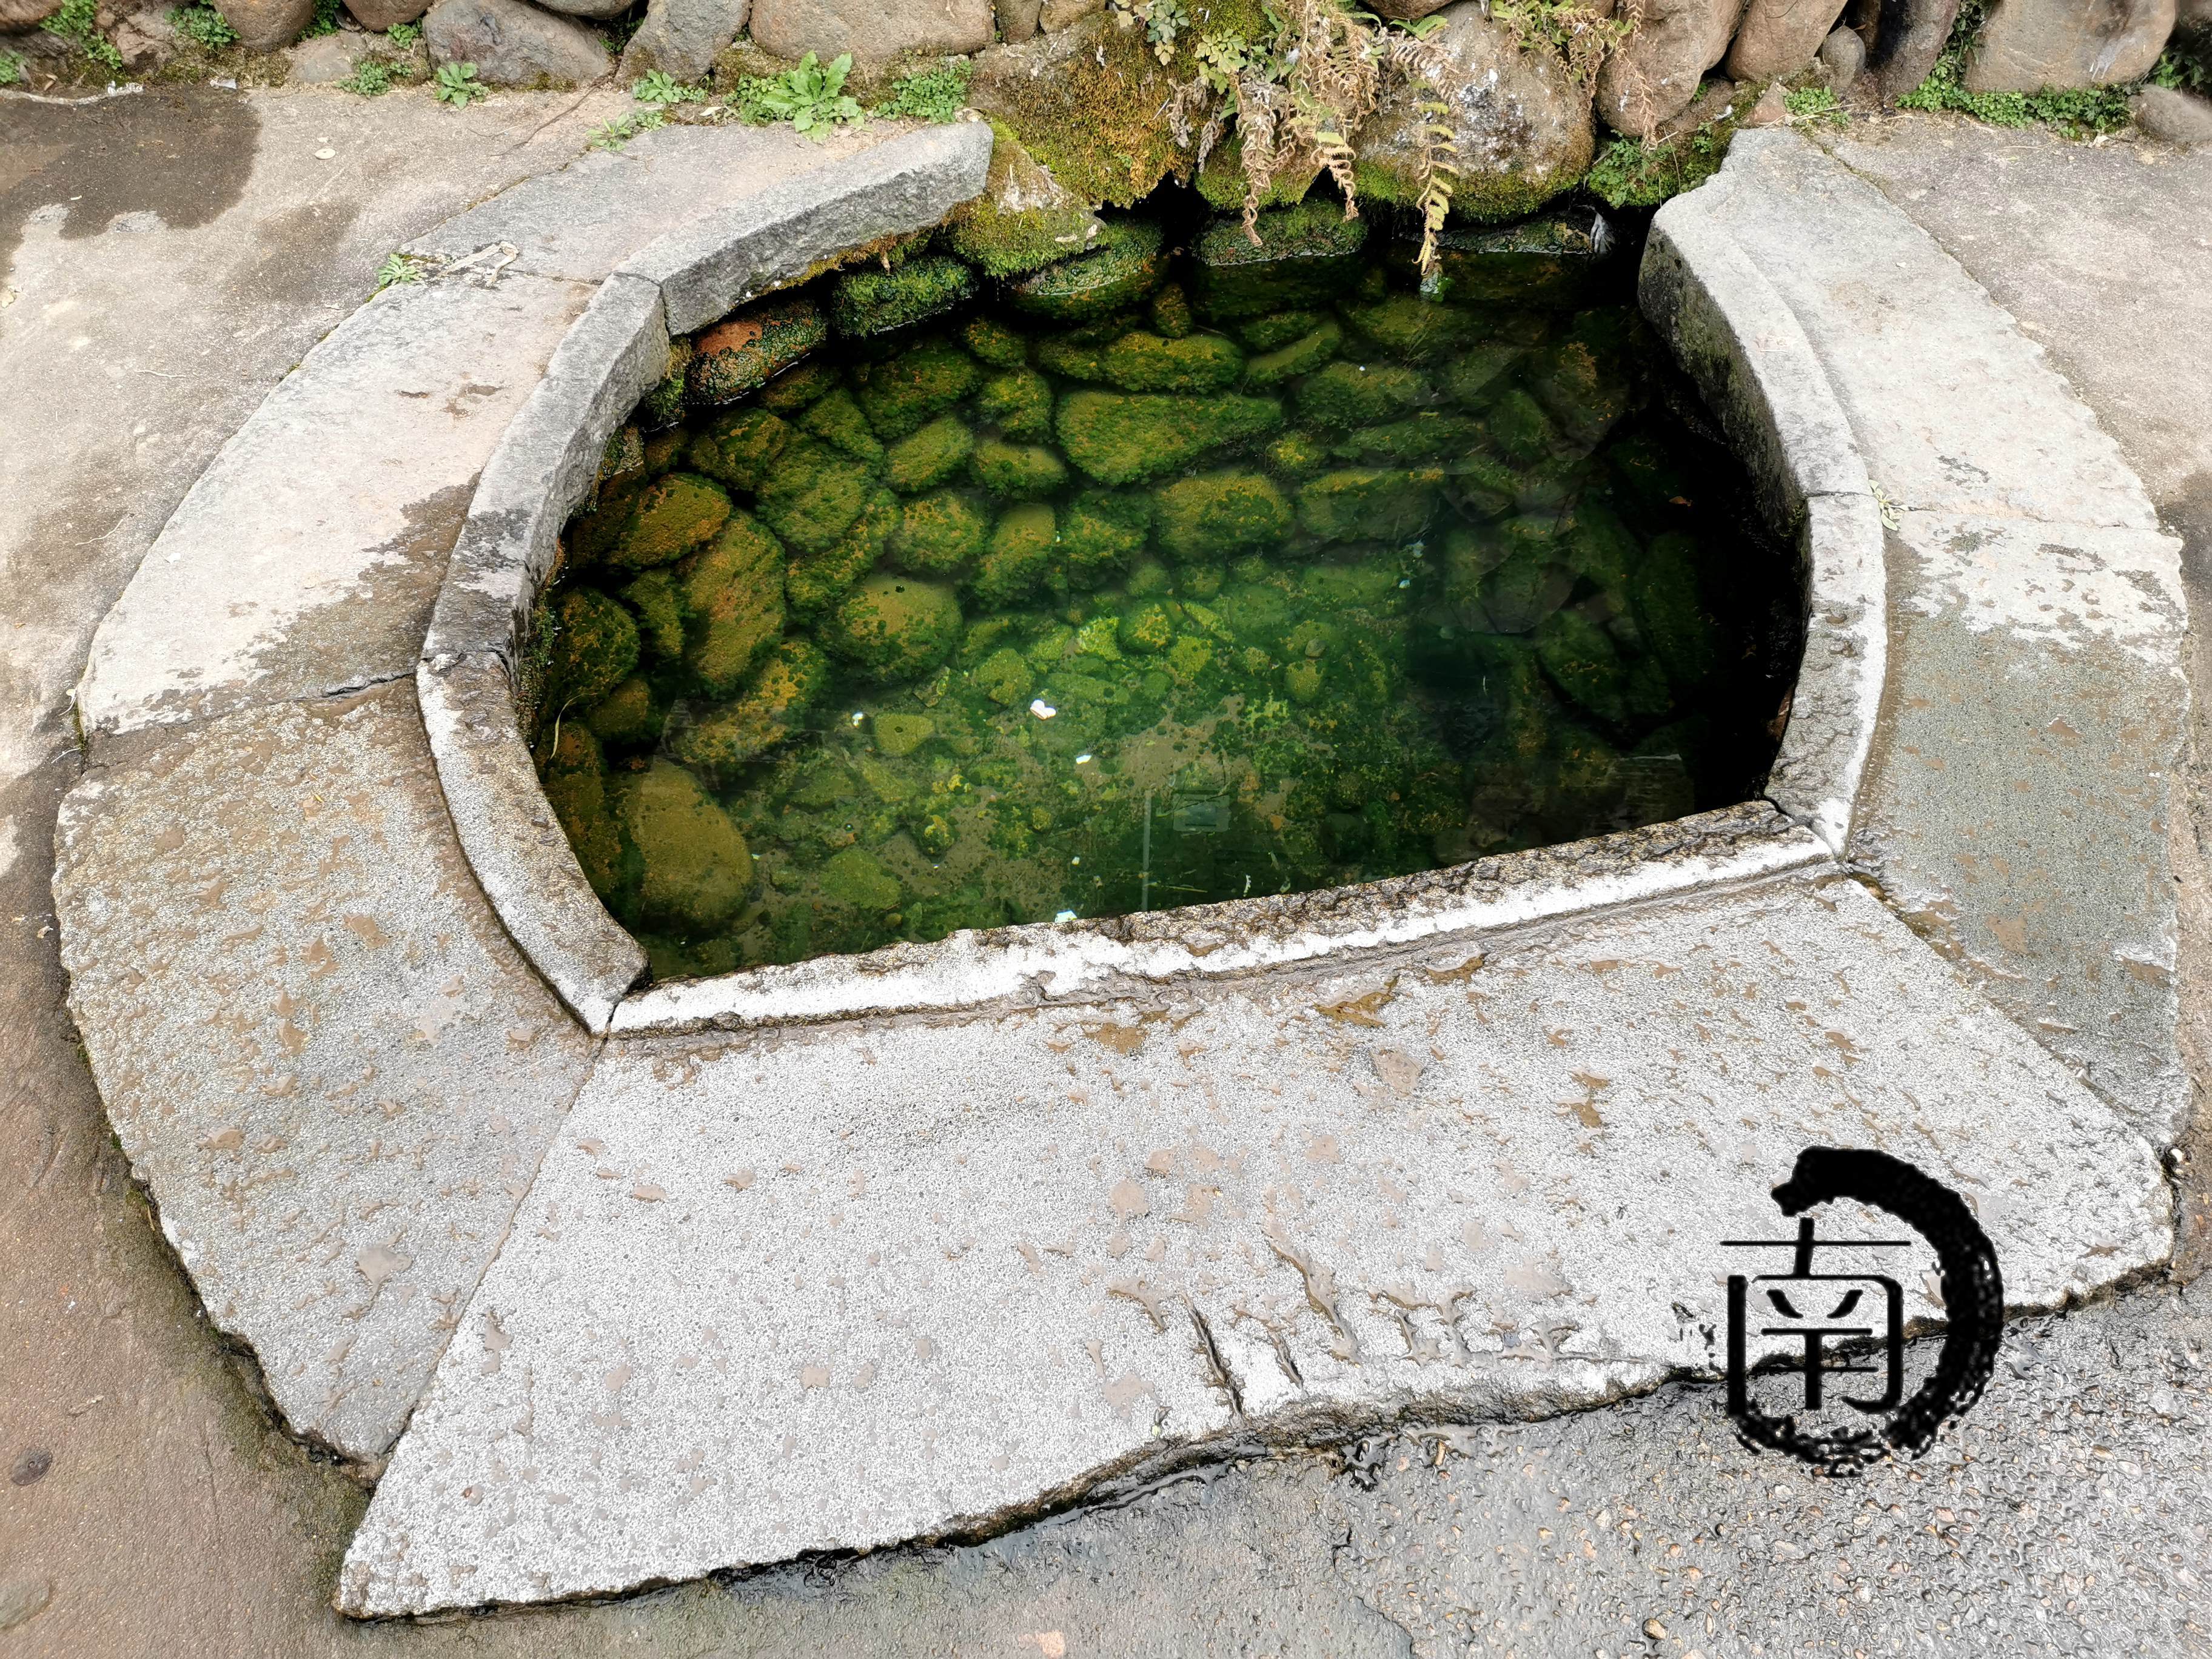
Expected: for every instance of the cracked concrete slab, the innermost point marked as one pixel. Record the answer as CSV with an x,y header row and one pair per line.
x,y
837,1288
306,558
316,1045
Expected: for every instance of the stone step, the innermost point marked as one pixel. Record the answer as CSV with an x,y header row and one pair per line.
x,y
831,1289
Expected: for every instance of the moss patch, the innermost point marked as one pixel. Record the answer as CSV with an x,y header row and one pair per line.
x,y
1121,437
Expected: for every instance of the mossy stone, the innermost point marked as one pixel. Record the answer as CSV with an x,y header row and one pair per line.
x,y
1547,259
1305,254
1189,658
1302,679
1364,504
1667,596
1303,355
815,583
694,871
1020,403
673,515
1215,516
628,717
836,420
1580,658
1151,362
1409,326
898,735
1344,395
1020,554
1481,486
1278,329
743,352
595,648
793,679
1016,471
1581,380
594,532
1101,531
812,495
654,602
1298,454
1527,587
1005,677
1468,555
1171,313
1147,630
1124,265
893,628
904,393
662,407
733,596
940,535
1521,429
929,457
1427,435
1123,437
1598,546
797,387
575,779
994,342
1024,219
738,446
869,300
857,878
1151,577
1472,374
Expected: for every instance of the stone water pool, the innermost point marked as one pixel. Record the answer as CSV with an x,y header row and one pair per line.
x,y
1185,570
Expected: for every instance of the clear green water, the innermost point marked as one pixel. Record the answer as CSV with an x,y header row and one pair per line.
x,y
972,623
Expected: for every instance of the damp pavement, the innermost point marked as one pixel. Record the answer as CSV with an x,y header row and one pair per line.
x,y
169,256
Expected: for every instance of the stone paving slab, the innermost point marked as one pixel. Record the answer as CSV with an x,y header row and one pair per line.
x,y
2015,799
322,1056
834,1289
306,559
1953,408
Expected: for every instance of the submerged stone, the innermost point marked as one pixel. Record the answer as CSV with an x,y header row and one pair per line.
x,y
1419,330
672,515
1523,590
857,878
894,628
1305,255
1020,553
1550,259
899,735
796,388
836,420
1005,677
1362,503
770,710
575,779
994,342
1102,532
694,871
1016,469
733,597
1218,515
812,495
1582,661
1149,363
594,648
1429,435
743,354
1124,265
902,392
737,448
814,583
940,535
1020,403
929,457
654,601
1120,438
1667,599
1301,356
628,717
871,301
1345,394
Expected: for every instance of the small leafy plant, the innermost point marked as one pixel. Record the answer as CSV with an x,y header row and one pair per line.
x,y
930,94
2078,112
324,22
398,271
14,67
78,23
616,133
457,84
811,96
658,87
403,35
1813,107
203,25
369,79
1629,174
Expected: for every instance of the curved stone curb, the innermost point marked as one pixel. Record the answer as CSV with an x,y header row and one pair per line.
x,y
546,465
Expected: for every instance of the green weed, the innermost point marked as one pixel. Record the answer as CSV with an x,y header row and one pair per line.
x,y
457,85
1627,174
2078,112
658,87
811,96
370,79
398,271
203,25
1813,107
403,35
78,23
14,67
616,133
324,22
930,94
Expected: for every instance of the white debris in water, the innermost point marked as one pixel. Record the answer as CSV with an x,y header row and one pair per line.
x,y
859,716
1082,759
1041,709
1065,915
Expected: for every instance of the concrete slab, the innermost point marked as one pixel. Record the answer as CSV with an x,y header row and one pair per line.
x,y
317,1046
1915,347
2017,800
306,559
831,1289
581,222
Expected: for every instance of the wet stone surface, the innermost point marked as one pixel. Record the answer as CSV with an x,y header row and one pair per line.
x,y
1199,572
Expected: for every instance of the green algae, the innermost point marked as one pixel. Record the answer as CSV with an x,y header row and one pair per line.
x,y
1112,599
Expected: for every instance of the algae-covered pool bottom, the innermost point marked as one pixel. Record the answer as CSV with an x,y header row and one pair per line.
x,y
1167,577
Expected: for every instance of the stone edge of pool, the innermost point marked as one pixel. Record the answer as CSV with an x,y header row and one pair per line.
x,y
338,1072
